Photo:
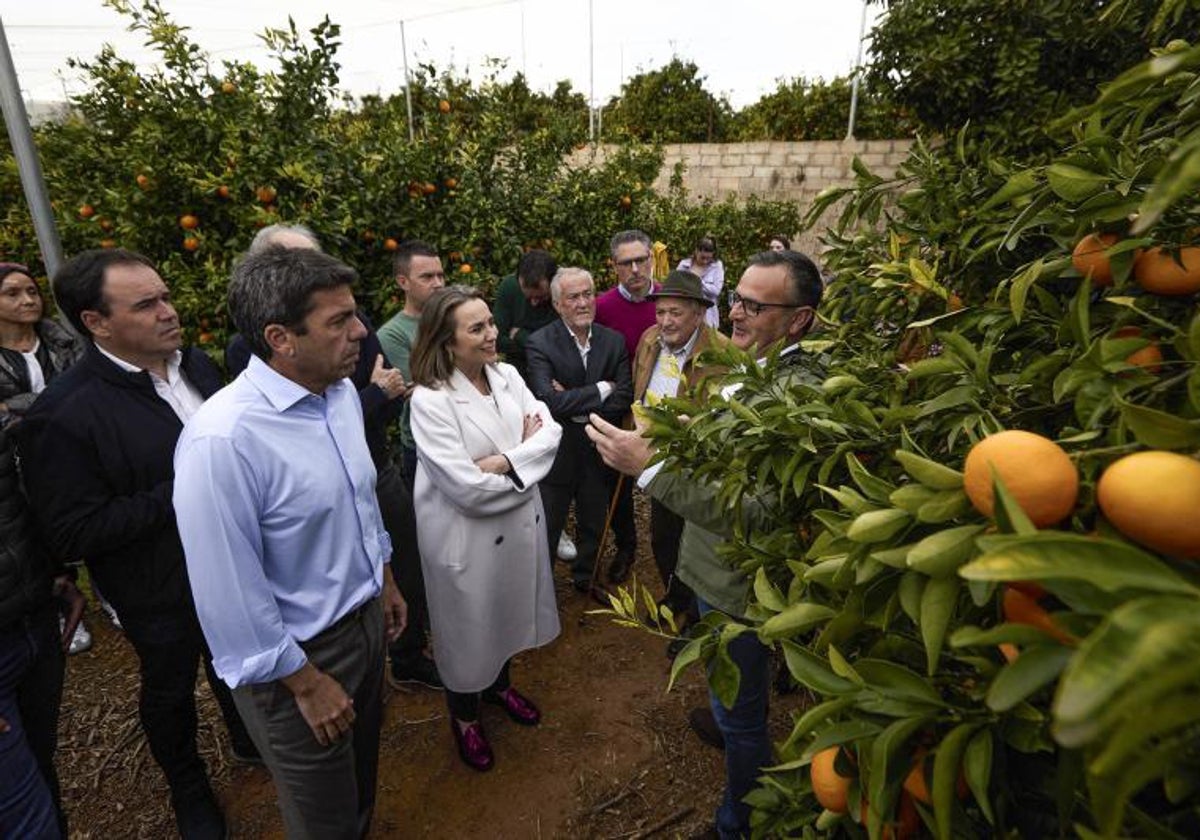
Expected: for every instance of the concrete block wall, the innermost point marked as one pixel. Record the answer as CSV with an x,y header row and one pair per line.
x,y
776,170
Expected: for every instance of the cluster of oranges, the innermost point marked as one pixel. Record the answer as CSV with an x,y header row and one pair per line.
x,y
1158,270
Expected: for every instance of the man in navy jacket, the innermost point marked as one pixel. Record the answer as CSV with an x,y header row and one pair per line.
x,y
97,454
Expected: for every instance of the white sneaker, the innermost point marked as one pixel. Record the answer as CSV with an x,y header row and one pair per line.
x,y
81,641
566,548
110,611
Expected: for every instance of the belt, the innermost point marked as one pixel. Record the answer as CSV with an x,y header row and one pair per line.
x,y
356,614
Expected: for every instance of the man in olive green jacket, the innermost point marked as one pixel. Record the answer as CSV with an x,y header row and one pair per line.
x,y
774,305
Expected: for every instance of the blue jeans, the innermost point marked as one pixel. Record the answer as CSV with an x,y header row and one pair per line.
x,y
31,678
747,744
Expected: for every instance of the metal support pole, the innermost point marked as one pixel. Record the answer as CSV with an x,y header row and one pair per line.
x,y
28,165
407,85
862,34
592,72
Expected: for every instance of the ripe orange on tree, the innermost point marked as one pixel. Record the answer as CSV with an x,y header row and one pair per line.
x,y
1149,357
222,191
906,824
626,202
830,787
451,183
428,188
1035,470
108,243
191,243
86,211
228,87
143,180
1153,498
444,106
465,268
105,225
1019,608
1089,257
265,195
1158,271
390,244
189,222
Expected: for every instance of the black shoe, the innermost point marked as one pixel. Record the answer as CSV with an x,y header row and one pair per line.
x,y
618,570
197,814
702,722
420,670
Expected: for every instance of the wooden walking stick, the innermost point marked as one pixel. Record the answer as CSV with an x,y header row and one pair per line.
x,y
598,592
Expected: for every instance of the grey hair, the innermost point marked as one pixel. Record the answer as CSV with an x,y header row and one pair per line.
x,y
266,238
276,286
627,236
565,273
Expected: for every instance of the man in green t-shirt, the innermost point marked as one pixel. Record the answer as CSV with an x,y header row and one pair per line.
x,y
523,305
419,274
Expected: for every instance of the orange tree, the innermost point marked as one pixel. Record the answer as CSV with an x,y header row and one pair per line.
x,y
185,162
997,676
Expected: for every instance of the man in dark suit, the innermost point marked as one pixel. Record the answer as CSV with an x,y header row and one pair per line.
x,y
96,454
577,367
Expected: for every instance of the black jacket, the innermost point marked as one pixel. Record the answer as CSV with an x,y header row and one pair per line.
x,y
553,355
25,569
97,454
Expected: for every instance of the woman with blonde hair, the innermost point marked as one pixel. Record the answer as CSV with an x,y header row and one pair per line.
x,y
483,444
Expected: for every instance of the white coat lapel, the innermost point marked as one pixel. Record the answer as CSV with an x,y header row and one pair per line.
x,y
481,411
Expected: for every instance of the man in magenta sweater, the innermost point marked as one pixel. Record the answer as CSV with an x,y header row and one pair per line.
x,y
626,309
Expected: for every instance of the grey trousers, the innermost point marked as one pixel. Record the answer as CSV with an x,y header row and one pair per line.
x,y
325,793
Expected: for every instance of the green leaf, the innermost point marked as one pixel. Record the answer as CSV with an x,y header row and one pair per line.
x,y
1013,634
1048,555
810,670
766,593
911,497
940,554
1020,288
937,608
897,557
944,506
946,763
889,758
936,366
894,680
930,473
1036,667
977,766
874,488
724,676
690,653
1177,180
912,585
1073,183
812,718
1144,649
878,525
843,732
1019,184
1010,517
849,499
795,619
1157,429
952,398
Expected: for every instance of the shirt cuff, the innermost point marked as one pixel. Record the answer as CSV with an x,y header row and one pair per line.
x,y
649,475
605,389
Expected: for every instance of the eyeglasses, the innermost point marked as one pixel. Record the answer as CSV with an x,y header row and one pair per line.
x,y
630,263
753,307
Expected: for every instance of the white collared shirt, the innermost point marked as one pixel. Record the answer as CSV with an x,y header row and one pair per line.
x,y
668,367
605,388
175,390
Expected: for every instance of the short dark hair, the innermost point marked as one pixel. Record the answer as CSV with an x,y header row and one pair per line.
x,y
276,286
535,267
804,278
787,242
408,249
79,282
627,236
706,243
432,362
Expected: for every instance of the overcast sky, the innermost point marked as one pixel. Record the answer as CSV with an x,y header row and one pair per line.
x,y
741,46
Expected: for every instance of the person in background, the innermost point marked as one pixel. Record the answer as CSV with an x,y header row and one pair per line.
x,y
704,264
523,305
666,366
419,274
779,242
35,596
773,307
381,389
286,548
576,367
33,350
96,454
483,443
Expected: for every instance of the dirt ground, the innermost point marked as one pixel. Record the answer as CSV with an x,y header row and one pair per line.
x,y
613,757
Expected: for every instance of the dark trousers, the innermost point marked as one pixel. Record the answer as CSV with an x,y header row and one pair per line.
x,y
466,706
31,681
623,525
578,475
170,645
399,517
666,530
744,726
325,793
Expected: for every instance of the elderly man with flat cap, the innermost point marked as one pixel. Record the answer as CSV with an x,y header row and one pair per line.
x,y
665,365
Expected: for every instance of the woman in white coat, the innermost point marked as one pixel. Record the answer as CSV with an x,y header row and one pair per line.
x,y
483,443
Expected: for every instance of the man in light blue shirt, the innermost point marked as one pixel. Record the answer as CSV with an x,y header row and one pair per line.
x,y
286,550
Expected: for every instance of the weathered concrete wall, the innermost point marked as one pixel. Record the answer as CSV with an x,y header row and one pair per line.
x,y
777,170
